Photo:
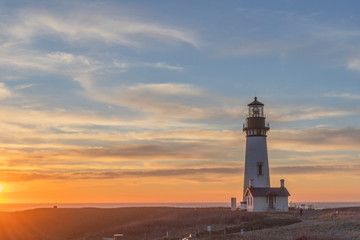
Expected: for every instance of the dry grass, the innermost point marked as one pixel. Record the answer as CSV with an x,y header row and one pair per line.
x,y
328,224
154,222
135,223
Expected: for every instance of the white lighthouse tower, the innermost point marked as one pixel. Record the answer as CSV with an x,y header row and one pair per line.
x,y
257,193
256,171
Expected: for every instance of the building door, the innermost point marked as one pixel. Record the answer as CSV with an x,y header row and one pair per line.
x,y
271,201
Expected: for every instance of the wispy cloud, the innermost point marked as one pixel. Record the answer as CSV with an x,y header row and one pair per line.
x,y
317,139
163,65
4,91
86,25
24,86
53,62
295,113
199,174
167,101
354,64
13,175
317,169
82,28
343,95
125,66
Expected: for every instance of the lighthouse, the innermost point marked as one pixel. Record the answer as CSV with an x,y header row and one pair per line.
x,y
258,196
256,171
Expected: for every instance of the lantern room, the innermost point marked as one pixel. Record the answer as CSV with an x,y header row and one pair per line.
x,y
255,121
256,109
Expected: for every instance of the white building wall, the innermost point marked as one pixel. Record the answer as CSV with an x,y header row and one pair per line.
x,y
256,152
261,204
281,204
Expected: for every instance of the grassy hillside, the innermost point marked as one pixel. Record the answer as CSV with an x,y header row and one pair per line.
x,y
327,224
134,223
154,222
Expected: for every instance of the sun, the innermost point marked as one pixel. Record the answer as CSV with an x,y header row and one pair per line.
x,y
1,188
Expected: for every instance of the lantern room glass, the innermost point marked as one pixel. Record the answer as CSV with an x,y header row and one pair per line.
x,y
256,111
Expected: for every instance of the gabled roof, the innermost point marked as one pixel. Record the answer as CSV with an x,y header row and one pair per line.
x,y
263,192
256,102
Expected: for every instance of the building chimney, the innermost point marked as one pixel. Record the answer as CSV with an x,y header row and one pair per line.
x,y
251,183
282,183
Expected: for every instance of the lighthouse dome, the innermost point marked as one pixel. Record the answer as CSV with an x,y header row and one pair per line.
x,y
255,103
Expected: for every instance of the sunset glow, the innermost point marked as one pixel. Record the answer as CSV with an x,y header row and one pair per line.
x,y
116,101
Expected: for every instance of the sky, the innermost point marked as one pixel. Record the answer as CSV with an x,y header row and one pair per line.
x,y
144,101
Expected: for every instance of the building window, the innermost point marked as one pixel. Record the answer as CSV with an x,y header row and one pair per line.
x,y
259,168
249,201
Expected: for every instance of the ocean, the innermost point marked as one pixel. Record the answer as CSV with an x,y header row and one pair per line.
x,y
26,206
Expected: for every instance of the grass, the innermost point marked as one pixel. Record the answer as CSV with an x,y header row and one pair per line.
x,y
154,222
327,224
134,223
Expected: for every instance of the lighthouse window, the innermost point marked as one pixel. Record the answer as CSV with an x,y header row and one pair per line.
x,y
260,168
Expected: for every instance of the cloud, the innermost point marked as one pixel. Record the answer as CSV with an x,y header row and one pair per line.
x,y
316,139
80,68
98,143
166,101
344,95
125,66
18,176
166,89
53,62
354,64
85,25
58,124
4,91
198,174
295,113
316,169
164,150
82,28
163,65
126,149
